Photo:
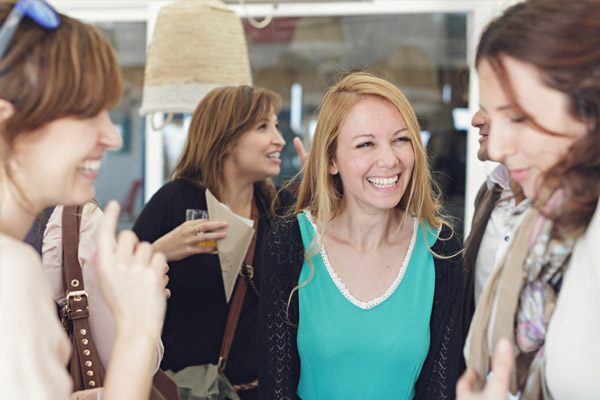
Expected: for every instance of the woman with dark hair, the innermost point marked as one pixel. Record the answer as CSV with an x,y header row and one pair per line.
x,y
232,149
539,70
58,79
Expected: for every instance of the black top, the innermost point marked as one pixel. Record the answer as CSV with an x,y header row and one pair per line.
x,y
197,310
279,362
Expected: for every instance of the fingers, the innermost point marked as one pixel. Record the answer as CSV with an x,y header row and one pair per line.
x,y
208,226
502,364
106,231
466,385
127,242
202,249
299,146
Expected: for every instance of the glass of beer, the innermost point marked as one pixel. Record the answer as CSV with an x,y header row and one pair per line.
x,y
192,214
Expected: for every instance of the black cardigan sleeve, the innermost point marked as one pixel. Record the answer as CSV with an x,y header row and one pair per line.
x,y
442,366
279,362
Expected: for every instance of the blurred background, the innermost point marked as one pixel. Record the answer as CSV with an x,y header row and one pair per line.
x,y
424,47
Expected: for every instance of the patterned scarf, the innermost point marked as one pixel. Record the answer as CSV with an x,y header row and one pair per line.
x,y
519,300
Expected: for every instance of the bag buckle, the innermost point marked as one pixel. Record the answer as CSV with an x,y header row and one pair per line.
x,y
76,295
247,271
221,363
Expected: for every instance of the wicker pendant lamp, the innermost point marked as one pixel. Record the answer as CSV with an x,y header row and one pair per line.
x,y
197,45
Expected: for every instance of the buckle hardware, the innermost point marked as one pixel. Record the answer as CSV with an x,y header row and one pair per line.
x,y
76,295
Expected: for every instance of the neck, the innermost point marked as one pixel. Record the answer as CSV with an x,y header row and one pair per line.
x,y
238,196
15,218
366,230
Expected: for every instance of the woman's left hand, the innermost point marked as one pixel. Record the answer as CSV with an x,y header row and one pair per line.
x,y
300,151
496,388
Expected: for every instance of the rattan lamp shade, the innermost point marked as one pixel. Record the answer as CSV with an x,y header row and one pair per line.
x,y
197,45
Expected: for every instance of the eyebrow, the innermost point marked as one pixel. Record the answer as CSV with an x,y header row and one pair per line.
x,y
370,135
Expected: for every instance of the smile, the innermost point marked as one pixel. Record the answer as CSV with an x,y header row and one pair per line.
x,y
89,166
274,155
384,183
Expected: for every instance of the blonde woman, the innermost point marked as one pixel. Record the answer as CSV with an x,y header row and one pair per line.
x,y
362,288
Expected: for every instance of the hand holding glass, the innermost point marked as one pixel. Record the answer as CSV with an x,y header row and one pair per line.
x,y
193,214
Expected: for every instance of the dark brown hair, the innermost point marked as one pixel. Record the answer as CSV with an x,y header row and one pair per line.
x,y
218,122
562,41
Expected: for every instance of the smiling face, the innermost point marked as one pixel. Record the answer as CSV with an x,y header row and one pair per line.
x,y
527,151
58,163
374,156
256,155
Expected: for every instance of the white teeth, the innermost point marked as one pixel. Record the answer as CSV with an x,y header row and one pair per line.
x,y
275,155
90,165
383,183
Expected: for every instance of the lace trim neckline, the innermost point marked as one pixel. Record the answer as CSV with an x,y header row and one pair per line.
x,y
365,305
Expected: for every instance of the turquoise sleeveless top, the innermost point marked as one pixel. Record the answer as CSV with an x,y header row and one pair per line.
x,y
364,350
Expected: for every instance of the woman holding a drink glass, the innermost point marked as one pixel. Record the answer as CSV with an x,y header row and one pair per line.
x,y
232,149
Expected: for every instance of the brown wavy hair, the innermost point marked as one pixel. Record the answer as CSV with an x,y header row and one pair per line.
x,y
562,41
218,122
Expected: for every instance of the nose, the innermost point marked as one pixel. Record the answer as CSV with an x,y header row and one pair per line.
x,y
502,143
480,120
109,137
387,156
277,138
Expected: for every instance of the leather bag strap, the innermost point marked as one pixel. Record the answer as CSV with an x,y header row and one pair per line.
x,y
86,368
237,301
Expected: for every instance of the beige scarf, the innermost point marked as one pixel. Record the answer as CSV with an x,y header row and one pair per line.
x,y
501,297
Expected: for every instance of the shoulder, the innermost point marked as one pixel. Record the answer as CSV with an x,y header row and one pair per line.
x,y
17,256
285,197
21,272
447,251
284,244
483,190
177,189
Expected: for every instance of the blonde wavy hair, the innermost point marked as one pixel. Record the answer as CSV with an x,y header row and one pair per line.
x,y
321,193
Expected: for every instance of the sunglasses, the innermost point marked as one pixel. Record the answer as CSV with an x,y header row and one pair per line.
x,y
37,10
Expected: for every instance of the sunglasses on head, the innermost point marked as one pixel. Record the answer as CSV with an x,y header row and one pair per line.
x,y
37,10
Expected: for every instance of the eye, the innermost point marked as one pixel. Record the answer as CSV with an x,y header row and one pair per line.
x,y
402,139
519,119
364,145
262,127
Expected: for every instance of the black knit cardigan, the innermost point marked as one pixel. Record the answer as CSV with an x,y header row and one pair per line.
x,y
279,361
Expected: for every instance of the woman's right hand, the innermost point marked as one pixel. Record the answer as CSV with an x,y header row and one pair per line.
x,y
133,279
496,388
187,238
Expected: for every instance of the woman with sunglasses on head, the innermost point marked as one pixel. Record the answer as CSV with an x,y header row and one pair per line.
x,y
539,72
232,149
58,78
362,288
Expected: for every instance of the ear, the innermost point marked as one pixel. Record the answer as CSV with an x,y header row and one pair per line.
x,y
333,170
6,110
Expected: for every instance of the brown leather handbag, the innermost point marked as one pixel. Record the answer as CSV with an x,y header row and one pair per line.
x,y
85,367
